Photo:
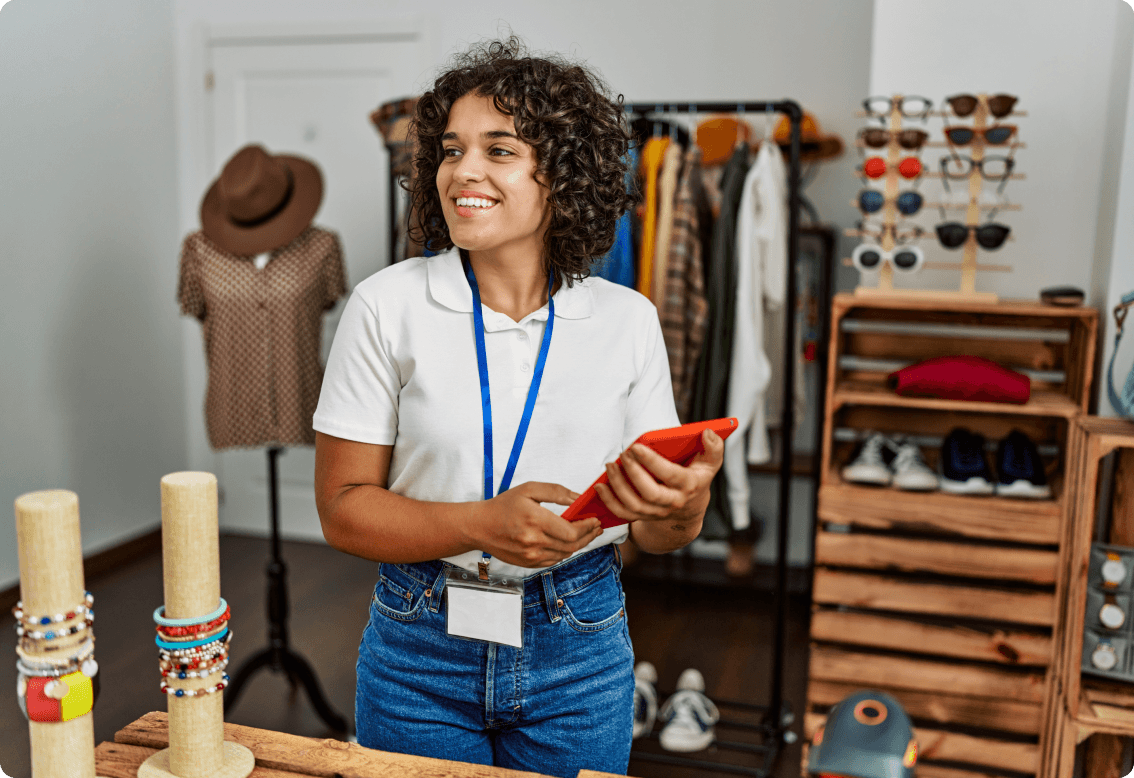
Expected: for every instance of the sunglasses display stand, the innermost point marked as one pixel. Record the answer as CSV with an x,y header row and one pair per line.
x,y
968,265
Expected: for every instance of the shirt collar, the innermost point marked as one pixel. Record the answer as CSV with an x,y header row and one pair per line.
x,y
449,287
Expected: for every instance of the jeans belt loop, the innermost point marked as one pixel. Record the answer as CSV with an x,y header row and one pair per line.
x,y
549,597
435,590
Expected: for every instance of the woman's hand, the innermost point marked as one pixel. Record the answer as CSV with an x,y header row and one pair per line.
x,y
516,529
669,499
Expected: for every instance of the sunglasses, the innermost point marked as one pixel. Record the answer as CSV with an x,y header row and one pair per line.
x,y
998,105
901,234
953,235
875,167
909,106
906,259
877,137
871,201
996,136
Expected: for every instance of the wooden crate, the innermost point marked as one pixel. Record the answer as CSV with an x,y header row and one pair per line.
x,y
279,755
1085,706
948,602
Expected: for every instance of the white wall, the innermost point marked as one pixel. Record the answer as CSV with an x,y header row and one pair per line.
x,y
90,385
1063,60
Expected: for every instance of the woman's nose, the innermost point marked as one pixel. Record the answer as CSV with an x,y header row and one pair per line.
x,y
470,167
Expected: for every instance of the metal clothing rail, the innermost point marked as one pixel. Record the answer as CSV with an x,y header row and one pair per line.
x,y
777,717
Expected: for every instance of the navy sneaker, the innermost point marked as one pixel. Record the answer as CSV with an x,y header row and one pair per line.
x,y
1019,468
963,466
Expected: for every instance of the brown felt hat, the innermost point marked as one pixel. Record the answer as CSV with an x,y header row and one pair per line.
x,y
261,201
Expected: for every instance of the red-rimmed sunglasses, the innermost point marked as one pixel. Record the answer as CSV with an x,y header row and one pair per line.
x,y
875,167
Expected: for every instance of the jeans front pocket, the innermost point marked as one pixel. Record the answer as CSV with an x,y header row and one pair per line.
x,y
595,606
397,595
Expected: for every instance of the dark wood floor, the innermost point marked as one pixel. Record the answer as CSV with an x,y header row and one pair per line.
x,y
724,631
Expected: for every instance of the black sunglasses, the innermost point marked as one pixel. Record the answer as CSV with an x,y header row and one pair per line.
x,y
996,135
953,235
909,106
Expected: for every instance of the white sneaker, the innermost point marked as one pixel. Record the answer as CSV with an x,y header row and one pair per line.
x,y
910,471
689,715
645,698
870,467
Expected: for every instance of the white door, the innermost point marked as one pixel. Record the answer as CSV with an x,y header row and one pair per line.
x,y
309,93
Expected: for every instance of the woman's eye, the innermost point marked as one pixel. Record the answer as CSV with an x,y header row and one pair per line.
x,y
450,152
500,151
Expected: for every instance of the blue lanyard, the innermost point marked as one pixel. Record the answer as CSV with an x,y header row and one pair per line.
x,y
486,396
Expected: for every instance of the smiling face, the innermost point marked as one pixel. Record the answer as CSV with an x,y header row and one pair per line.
x,y
487,183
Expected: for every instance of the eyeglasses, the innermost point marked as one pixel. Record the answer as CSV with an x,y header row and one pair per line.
x,y
901,234
906,259
998,105
954,234
875,167
991,168
910,107
877,137
996,136
871,201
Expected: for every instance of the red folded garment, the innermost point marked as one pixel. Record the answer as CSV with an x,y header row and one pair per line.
x,y
962,377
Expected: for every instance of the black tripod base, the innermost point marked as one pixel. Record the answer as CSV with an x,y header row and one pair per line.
x,y
297,669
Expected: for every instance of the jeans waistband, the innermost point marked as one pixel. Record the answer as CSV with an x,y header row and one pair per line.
x,y
564,578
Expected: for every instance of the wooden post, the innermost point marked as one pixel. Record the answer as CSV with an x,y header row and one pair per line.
x,y
893,184
191,564
976,181
51,581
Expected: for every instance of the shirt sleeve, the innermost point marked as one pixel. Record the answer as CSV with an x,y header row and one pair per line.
x,y
650,405
334,275
190,295
361,383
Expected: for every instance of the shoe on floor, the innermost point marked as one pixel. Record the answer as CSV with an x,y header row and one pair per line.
x,y
910,471
964,469
689,716
1019,468
645,698
871,466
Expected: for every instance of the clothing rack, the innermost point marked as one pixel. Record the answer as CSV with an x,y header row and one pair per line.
x,y
777,716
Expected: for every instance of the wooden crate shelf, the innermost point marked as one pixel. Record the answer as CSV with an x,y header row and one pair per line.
x,y
951,603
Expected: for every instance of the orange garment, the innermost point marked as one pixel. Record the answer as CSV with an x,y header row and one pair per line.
x,y
652,155
667,190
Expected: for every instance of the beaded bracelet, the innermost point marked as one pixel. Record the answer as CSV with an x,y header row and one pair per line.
x,y
198,652
18,612
53,634
216,629
190,643
205,673
165,687
79,653
88,666
193,663
162,621
193,629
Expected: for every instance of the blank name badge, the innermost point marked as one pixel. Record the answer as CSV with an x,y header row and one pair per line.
x,y
491,610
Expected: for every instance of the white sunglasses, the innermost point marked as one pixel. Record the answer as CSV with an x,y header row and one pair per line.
x,y
868,257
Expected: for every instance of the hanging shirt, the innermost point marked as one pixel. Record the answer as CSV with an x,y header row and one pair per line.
x,y
618,264
652,156
761,255
667,190
263,334
683,309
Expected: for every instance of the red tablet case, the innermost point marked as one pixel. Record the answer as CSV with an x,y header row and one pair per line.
x,y
677,444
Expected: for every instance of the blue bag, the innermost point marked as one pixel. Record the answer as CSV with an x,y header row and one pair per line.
x,y
1123,404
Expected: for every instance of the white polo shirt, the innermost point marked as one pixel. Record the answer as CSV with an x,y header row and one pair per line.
x,y
402,371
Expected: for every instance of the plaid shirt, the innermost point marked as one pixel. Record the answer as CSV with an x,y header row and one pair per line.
x,y
684,310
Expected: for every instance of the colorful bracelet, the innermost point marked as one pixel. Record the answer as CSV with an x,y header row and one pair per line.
x,y
212,669
174,632
162,621
165,687
189,640
195,654
193,663
53,634
18,612
190,643
50,700
78,654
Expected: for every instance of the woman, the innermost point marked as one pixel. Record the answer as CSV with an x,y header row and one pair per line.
x,y
428,394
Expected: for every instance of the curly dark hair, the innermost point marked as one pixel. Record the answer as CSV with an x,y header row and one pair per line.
x,y
568,116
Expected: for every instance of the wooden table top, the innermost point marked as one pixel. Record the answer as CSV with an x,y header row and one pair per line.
x,y
279,755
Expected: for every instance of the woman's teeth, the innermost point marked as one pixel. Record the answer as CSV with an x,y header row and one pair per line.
x,y
475,202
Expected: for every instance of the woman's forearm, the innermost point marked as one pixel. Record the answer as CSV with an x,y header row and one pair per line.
x,y
661,537
368,521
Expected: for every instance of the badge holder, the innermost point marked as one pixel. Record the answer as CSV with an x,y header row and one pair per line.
x,y
484,607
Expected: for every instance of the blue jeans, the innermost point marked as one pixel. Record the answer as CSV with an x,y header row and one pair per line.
x,y
562,703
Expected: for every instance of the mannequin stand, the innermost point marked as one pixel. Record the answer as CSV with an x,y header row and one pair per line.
x,y
278,656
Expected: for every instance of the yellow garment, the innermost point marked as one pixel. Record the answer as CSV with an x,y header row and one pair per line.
x,y
667,191
652,154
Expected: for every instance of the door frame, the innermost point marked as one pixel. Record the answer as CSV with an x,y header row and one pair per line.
x,y
194,152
